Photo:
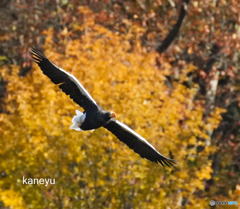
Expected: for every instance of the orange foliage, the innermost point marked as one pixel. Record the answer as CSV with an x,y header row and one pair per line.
x,y
94,169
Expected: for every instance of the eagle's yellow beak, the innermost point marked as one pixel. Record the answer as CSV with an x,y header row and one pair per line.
x,y
113,115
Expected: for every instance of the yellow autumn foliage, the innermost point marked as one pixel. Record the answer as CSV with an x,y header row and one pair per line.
x,y
95,169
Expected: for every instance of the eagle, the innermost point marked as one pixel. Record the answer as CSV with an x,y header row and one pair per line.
x,y
94,116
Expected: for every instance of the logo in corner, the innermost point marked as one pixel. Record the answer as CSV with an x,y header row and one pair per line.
x,y
212,202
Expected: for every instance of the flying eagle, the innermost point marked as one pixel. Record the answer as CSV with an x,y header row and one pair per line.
x,y
94,116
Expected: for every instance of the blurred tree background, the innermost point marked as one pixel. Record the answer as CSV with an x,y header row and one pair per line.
x,y
183,97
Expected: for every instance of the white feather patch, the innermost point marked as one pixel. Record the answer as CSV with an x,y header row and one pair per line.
x,y
77,120
79,112
75,127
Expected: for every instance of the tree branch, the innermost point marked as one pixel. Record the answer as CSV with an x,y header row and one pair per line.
x,y
173,33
